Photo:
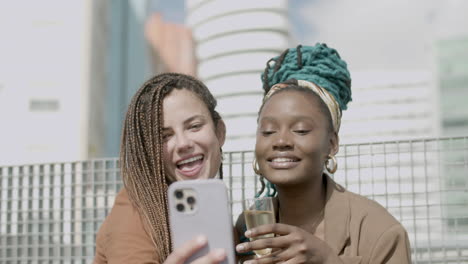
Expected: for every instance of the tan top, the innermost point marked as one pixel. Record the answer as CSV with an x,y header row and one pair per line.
x,y
360,230
357,229
122,237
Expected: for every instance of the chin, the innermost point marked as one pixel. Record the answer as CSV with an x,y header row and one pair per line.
x,y
284,180
203,176
279,182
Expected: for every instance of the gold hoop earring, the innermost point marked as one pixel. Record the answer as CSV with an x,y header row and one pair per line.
x,y
333,167
255,167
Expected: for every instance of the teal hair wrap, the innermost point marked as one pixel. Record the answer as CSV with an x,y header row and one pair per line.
x,y
318,64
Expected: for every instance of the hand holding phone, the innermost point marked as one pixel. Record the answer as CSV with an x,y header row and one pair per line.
x,y
183,253
201,207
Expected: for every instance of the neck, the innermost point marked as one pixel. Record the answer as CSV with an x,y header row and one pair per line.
x,y
302,205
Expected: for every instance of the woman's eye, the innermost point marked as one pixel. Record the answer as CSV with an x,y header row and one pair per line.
x,y
302,131
195,126
166,137
267,132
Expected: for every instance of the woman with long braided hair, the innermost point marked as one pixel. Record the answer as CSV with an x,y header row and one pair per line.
x,y
318,221
171,132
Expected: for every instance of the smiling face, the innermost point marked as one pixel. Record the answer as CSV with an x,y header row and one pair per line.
x,y
293,138
192,142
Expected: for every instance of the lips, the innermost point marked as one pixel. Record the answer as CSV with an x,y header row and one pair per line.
x,y
283,162
190,166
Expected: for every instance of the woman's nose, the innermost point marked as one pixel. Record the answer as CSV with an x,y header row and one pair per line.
x,y
283,141
183,143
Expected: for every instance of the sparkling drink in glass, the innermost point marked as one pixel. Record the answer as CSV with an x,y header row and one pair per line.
x,y
259,211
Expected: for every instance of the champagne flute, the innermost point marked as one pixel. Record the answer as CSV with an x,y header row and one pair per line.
x,y
259,211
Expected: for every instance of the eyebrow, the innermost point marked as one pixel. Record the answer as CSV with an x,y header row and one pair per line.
x,y
188,120
296,118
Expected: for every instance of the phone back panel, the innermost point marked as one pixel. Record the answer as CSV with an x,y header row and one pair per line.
x,y
208,213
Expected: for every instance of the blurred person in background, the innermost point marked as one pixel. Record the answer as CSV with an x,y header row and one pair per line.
x,y
317,220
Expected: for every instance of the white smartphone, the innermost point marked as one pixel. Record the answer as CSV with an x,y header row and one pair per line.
x,y
201,207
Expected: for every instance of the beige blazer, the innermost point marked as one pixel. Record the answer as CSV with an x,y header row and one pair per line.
x,y
359,230
122,237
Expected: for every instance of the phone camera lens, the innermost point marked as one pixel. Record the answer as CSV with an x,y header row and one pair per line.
x,y
180,207
179,194
191,200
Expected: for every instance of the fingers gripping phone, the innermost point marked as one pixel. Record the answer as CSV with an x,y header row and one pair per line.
x,y
201,207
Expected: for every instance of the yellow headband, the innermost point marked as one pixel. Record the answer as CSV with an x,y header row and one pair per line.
x,y
328,98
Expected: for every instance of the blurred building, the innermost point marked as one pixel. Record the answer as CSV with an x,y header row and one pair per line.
x,y
128,63
67,73
66,76
451,58
391,105
452,67
47,77
234,39
52,75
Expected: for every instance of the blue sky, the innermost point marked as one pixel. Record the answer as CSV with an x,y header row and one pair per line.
x,y
171,9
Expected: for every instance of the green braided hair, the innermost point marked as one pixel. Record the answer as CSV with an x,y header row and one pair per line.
x,y
318,64
270,188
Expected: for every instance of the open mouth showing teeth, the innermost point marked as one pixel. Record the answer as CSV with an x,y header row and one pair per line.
x,y
190,162
284,160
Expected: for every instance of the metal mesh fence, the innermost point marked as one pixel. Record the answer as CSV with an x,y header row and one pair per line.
x,y
50,213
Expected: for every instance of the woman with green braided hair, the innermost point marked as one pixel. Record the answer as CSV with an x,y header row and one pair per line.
x,y
318,221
